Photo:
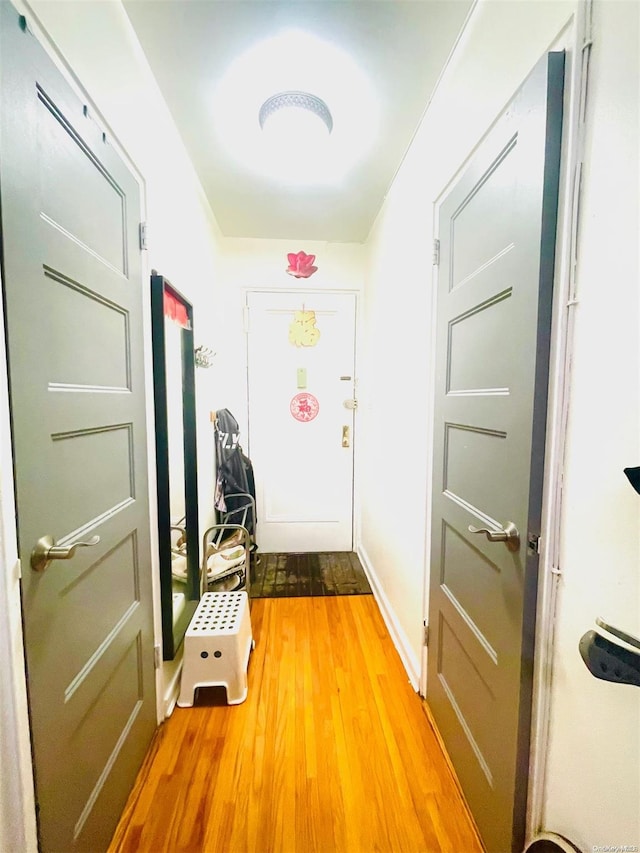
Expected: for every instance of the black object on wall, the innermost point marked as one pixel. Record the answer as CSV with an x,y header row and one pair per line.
x,y
550,842
605,658
633,475
173,632
609,661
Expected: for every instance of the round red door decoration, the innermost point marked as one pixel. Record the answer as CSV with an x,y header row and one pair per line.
x,y
304,407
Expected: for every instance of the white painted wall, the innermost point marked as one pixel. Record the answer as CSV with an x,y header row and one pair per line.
x,y
17,821
592,786
592,790
250,264
96,41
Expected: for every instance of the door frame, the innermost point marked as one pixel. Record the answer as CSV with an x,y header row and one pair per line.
x,y
13,677
357,294
575,40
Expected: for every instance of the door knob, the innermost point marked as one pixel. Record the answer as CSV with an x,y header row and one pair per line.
x,y
509,535
46,550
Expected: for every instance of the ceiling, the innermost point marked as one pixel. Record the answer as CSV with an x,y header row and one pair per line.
x,y
399,46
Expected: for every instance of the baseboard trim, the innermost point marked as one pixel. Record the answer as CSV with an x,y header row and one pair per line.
x,y
396,632
171,672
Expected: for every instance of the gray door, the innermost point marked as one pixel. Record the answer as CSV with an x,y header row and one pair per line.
x,y
497,236
72,286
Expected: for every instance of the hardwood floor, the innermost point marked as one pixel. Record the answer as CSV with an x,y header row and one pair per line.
x,y
332,751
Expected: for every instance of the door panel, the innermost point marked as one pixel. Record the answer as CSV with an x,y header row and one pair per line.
x,y
478,331
497,234
488,194
89,311
97,216
304,474
72,280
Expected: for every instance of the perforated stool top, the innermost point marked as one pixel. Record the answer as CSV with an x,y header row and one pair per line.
x,y
218,613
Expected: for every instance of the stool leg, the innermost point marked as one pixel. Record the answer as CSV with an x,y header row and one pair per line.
x,y
187,695
237,685
237,689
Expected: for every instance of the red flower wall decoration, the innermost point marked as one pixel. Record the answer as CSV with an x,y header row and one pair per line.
x,y
301,265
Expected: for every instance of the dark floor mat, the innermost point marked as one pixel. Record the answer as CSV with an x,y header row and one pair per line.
x,y
292,575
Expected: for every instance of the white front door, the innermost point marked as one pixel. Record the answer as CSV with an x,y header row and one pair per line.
x,y
301,357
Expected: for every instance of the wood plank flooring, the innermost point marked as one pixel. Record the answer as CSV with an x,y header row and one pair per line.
x,y
332,751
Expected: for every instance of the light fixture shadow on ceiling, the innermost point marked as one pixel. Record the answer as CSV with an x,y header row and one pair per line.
x,y
296,109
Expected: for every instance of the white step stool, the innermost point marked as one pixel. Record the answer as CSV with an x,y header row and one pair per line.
x,y
217,646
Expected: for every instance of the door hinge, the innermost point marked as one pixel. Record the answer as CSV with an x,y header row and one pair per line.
x,y
157,656
144,236
88,113
425,636
24,25
436,253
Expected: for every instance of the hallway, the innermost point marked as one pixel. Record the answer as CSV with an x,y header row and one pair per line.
x,y
332,751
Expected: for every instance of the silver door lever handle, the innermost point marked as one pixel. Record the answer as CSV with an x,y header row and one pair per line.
x,y
509,535
46,550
